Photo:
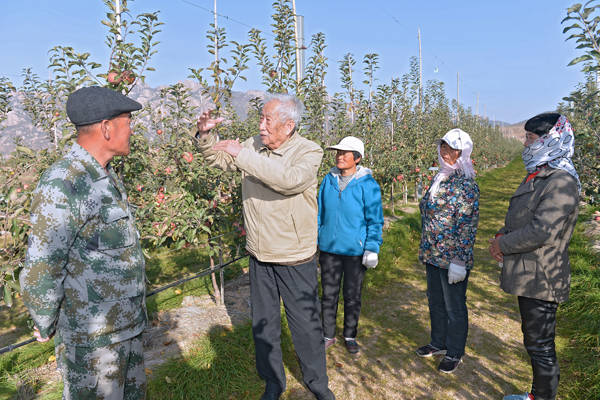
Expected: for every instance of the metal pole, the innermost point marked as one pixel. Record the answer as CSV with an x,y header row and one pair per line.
x,y
296,37
392,119
221,275
118,12
420,72
351,92
216,36
301,44
457,98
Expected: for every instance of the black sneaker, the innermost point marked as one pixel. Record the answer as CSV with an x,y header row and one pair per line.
x,y
449,364
272,392
352,346
429,350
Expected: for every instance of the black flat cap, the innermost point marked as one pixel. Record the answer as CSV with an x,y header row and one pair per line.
x,y
542,123
93,104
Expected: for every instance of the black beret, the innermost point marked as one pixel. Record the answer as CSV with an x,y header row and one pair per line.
x,y
93,104
542,123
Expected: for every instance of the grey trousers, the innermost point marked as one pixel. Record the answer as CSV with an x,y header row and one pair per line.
x,y
298,288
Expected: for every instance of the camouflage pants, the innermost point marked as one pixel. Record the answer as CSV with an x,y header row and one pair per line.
x,y
105,373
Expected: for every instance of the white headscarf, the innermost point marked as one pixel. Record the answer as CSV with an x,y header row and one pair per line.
x,y
458,140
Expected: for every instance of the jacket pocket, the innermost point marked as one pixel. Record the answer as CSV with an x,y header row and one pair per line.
x,y
116,229
295,224
116,264
536,282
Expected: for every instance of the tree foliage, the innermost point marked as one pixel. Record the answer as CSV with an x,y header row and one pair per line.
x,y
582,106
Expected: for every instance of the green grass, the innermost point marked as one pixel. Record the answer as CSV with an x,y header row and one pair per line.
x,y
163,267
394,321
578,323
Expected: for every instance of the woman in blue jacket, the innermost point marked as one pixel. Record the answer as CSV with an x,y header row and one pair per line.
x,y
350,233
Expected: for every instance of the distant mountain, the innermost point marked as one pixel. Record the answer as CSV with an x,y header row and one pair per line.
x,y
516,131
19,125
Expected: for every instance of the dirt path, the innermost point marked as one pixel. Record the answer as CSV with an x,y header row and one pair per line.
x,y
394,322
172,332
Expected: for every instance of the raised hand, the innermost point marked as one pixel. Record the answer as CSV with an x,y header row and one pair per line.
x,y
206,123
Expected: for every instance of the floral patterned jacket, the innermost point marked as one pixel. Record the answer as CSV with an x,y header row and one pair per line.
x,y
449,223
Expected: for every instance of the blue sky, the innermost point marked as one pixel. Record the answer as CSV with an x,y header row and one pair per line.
x,y
512,53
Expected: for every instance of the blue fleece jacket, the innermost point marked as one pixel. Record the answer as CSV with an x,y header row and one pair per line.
x,y
350,221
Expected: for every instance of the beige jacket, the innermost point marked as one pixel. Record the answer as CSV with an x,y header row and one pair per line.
x,y
538,227
279,195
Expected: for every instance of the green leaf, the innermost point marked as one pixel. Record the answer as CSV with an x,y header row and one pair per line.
x,y
571,27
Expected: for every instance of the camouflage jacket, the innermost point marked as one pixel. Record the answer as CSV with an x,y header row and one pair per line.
x,y
84,273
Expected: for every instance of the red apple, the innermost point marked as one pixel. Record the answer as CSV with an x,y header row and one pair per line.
x,y
139,188
597,217
187,156
57,114
159,132
417,170
168,170
400,177
113,77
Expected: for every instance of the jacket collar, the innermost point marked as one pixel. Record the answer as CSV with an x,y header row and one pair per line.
x,y
91,165
527,187
360,172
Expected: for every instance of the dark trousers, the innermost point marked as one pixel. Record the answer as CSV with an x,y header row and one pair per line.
x,y
298,288
538,323
447,311
333,267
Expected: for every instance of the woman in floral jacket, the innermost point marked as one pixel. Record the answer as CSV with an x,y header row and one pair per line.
x,y
449,216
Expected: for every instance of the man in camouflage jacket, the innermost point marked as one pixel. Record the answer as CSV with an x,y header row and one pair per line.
x,y
84,274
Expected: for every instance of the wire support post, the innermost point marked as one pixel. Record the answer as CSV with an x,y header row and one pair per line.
x,y
153,292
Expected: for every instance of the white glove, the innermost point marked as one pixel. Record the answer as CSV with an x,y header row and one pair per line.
x,y
456,273
370,259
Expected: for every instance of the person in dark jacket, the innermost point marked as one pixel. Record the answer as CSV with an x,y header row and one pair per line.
x,y
532,246
350,232
449,217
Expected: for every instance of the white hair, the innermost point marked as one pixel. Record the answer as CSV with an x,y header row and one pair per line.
x,y
289,107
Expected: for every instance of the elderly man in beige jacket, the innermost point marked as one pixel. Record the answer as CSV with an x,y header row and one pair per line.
x,y
279,190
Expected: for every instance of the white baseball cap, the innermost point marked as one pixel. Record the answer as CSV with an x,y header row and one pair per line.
x,y
457,139
350,143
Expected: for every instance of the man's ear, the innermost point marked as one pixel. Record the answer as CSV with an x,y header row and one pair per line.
x,y
105,129
291,125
